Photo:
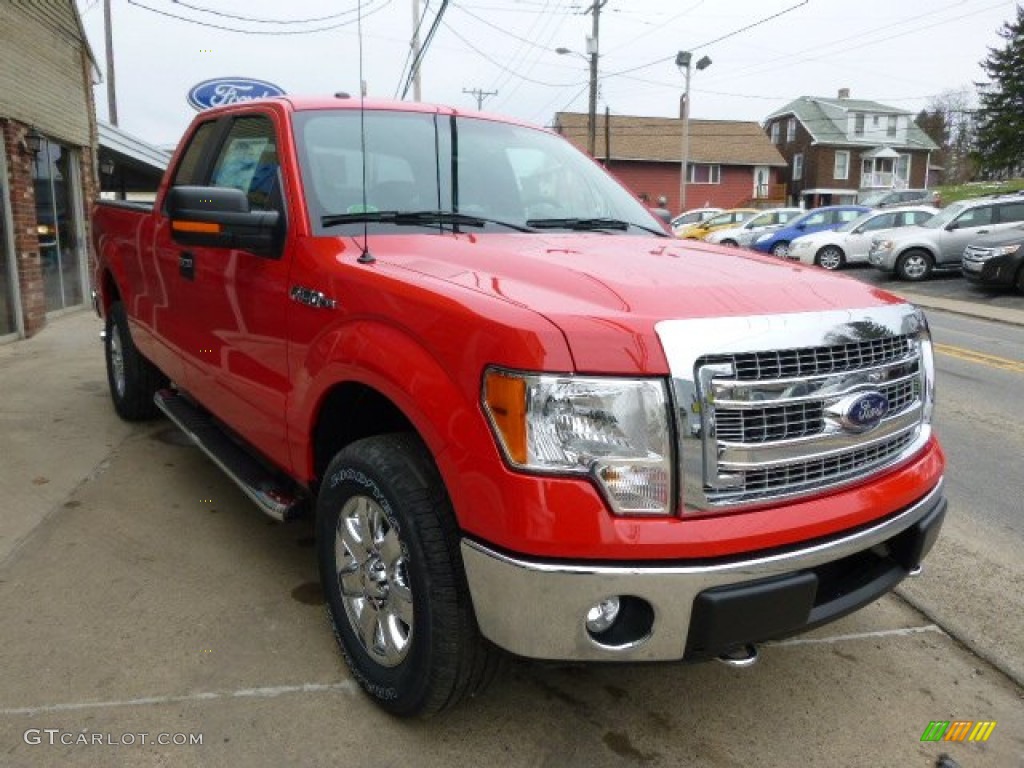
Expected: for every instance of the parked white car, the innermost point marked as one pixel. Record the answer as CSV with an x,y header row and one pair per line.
x,y
692,216
744,234
850,243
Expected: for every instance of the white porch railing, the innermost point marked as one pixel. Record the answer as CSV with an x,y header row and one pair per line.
x,y
877,180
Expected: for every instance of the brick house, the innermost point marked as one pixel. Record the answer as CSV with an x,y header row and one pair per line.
x,y
731,163
837,147
47,166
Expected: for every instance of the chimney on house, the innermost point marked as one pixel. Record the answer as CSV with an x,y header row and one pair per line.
x,y
844,93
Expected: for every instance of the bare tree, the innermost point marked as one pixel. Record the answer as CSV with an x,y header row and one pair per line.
x,y
949,120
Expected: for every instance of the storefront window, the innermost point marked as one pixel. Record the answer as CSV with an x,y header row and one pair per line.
x,y
7,320
59,252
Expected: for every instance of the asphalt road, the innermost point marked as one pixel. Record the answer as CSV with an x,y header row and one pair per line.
x,y
950,285
141,593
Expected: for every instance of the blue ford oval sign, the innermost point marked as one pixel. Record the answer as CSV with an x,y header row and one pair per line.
x,y
861,411
221,91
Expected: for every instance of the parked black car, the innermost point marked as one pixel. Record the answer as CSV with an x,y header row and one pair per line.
x,y
996,259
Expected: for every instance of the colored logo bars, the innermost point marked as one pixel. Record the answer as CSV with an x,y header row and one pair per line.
x,y
958,730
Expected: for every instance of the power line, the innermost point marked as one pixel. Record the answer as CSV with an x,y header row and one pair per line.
x,y
501,66
138,4
256,20
710,42
417,62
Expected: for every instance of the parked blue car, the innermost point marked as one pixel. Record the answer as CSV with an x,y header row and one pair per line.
x,y
776,242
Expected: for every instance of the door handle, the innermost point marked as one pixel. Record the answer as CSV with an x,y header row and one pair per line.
x,y
982,231
187,265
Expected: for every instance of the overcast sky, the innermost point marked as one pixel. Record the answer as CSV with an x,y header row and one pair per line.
x,y
897,52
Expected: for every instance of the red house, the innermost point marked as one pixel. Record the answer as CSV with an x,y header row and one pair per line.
x,y
730,163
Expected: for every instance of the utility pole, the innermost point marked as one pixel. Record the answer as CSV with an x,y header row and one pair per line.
x,y
480,95
592,49
417,92
111,90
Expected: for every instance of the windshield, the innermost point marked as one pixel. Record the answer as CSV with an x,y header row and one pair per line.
x,y
505,175
873,198
946,215
762,220
853,224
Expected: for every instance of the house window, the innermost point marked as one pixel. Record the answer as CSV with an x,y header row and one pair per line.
x,y
842,166
791,130
875,121
798,167
775,133
858,124
891,129
704,173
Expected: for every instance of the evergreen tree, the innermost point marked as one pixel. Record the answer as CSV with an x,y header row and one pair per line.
x,y
1001,117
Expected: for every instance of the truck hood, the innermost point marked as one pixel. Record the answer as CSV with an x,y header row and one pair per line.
x,y
606,293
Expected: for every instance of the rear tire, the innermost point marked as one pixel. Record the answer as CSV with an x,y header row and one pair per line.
x,y
133,380
914,265
393,578
831,257
730,243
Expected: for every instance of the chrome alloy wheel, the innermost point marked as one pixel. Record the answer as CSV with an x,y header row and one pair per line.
x,y
117,359
830,257
373,580
915,266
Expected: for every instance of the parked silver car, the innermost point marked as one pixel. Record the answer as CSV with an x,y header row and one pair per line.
x,y
850,243
743,235
888,198
938,244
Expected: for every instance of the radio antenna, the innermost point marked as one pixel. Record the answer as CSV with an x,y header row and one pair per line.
x,y
365,257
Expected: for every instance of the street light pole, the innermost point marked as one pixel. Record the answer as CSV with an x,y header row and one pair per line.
x,y
683,59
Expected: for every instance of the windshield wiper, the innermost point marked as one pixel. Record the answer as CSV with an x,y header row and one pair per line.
x,y
588,224
416,218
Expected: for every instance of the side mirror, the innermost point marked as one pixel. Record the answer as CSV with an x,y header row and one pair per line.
x,y
952,225
802,226
219,217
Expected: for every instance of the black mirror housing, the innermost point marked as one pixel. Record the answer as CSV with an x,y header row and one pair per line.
x,y
220,217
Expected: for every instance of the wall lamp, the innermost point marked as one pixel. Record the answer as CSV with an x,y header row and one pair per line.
x,y
33,142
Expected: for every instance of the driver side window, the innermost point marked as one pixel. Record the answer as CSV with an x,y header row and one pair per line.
x,y
248,161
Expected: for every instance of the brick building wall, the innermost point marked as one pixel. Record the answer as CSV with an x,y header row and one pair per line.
x,y
45,87
736,185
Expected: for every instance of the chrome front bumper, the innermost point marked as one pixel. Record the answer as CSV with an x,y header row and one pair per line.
x,y
537,609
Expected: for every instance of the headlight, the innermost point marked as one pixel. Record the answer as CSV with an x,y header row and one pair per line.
x,y
765,236
1005,250
616,431
882,245
799,245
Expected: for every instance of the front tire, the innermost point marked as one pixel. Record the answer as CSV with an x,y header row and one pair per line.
x,y
133,380
392,575
781,250
831,257
914,265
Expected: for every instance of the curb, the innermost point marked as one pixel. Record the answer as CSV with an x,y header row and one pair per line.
x,y
1005,315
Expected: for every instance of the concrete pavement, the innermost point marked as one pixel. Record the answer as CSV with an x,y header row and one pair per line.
x,y
140,592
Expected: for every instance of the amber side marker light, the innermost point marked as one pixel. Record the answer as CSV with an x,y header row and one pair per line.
x,y
505,399
196,226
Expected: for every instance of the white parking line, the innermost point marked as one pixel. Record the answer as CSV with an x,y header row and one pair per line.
x,y
245,693
904,632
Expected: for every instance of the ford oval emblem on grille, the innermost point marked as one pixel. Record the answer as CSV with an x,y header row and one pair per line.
x,y
860,411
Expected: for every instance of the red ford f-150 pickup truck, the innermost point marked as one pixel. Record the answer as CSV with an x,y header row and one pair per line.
x,y
525,418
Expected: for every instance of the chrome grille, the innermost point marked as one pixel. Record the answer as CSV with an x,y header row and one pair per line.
x,y
810,474
815,361
766,405
779,423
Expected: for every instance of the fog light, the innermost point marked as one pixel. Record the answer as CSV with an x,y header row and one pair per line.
x,y
602,615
